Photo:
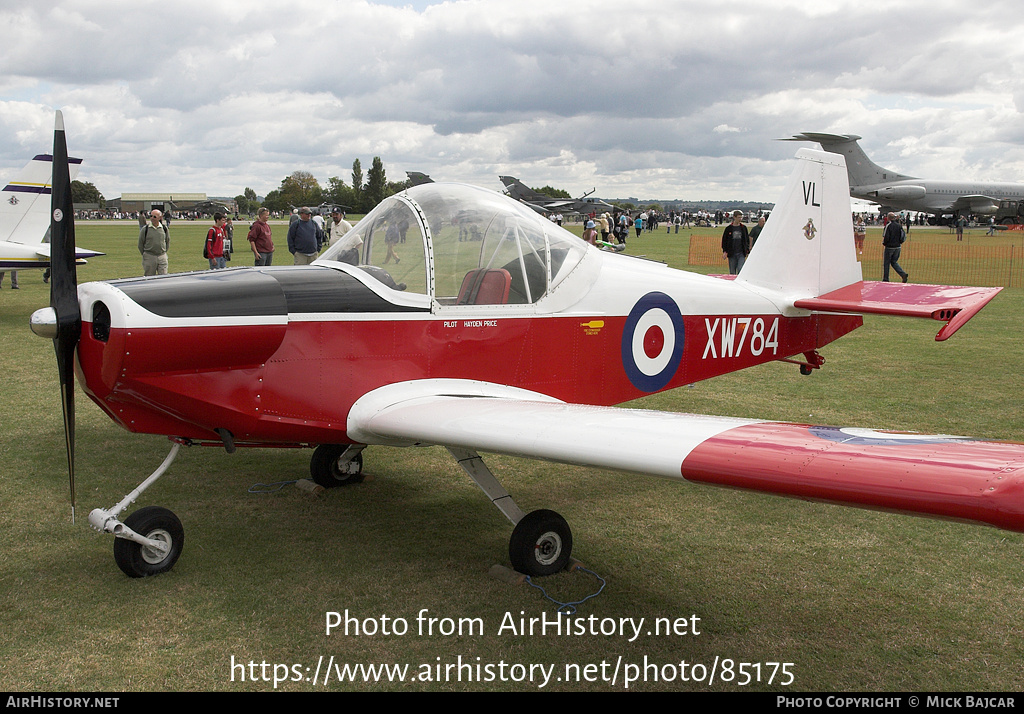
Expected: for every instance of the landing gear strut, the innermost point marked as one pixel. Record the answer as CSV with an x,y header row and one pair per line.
x,y
541,541
812,361
150,540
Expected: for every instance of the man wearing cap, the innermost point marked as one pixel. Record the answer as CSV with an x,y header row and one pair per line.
x,y
736,243
338,226
304,238
338,229
892,241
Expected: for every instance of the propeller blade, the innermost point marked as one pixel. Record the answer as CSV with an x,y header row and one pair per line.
x,y
64,290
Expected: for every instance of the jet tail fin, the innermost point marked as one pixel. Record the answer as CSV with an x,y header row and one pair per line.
x,y
25,201
520,191
862,170
806,247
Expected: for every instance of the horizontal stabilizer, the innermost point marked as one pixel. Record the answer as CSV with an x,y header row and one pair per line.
x,y
950,304
43,251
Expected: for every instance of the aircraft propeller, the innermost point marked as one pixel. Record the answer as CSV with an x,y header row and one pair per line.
x,y
63,319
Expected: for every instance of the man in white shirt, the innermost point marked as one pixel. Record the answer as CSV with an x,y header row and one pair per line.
x,y
338,228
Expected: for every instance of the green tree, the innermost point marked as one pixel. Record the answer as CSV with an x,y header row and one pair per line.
x,y
275,201
340,193
397,187
85,192
301,189
357,186
553,192
376,184
246,201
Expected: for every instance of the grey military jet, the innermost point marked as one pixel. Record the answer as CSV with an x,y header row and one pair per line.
x,y
539,202
897,192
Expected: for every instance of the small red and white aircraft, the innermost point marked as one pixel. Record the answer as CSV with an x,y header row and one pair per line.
x,y
455,316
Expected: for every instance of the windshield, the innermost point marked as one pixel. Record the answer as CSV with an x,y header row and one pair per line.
x,y
388,244
484,248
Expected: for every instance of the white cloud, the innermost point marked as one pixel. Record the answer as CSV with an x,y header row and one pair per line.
x,y
652,98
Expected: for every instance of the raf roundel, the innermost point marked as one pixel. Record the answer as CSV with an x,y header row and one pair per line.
x,y
652,342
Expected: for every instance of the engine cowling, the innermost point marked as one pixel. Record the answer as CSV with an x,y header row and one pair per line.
x,y
901,193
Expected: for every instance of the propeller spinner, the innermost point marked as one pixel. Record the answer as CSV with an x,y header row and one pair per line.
x,y
62,321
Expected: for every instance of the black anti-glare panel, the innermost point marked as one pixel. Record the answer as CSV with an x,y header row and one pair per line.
x,y
247,292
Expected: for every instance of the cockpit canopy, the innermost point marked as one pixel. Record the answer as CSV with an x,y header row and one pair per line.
x,y
460,245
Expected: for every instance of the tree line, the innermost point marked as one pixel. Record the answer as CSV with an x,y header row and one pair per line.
x,y
296,190
301,188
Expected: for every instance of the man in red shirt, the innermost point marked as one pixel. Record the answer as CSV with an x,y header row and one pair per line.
x,y
260,239
215,243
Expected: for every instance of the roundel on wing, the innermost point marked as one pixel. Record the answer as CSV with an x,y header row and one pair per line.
x,y
652,342
873,437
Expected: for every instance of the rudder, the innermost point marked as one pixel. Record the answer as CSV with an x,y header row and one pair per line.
x,y
806,248
25,201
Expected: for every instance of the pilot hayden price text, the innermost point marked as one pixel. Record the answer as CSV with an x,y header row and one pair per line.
x,y
512,625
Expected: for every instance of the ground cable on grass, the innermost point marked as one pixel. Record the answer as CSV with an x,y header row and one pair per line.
x,y
569,608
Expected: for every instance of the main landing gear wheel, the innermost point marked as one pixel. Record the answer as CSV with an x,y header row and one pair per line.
x,y
140,561
330,467
541,544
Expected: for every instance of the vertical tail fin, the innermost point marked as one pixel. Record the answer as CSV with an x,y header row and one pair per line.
x,y
806,248
861,170
25,201
520,191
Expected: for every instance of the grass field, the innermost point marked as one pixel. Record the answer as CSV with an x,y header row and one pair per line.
x,y
855,600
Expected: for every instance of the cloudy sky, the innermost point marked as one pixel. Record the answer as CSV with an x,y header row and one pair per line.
x,y
648,98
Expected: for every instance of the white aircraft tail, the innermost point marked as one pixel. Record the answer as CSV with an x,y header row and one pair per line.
x,y
806,247
25,201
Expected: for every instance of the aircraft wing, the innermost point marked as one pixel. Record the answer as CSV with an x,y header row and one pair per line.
x,y
975,204
950,304
539,209
942,476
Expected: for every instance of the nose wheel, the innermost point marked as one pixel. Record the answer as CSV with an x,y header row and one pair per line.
x,y
163,529
149,541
